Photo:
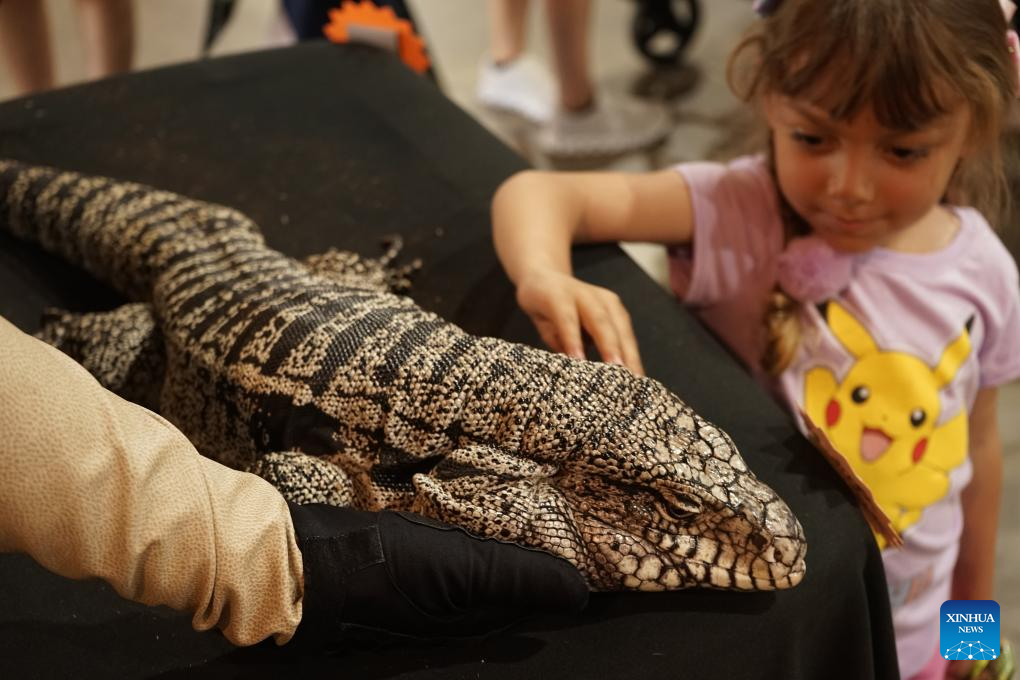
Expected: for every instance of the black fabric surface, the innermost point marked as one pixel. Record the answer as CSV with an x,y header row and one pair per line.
x,y
328,146
402,574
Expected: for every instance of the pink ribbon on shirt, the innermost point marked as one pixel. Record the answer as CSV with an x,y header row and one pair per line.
x,y
811,271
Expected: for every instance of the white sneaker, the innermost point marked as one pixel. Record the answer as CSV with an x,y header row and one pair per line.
x,y
521,87
611,127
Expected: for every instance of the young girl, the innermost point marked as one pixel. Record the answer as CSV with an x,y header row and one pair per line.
x,y
890,311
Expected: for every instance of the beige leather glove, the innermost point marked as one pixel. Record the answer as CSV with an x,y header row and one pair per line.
x,y
95,486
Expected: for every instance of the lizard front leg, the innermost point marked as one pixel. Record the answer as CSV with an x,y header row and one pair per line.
x,y
122,348
304,479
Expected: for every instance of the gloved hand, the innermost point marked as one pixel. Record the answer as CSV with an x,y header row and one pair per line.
x,y
401,573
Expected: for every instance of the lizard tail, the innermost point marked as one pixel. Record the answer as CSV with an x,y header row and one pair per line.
x,y
124,233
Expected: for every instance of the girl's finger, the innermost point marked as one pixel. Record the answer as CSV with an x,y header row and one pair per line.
x,y
625,333
568,331
547,331
599,323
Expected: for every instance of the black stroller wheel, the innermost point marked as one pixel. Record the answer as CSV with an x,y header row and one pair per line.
x,y
662,29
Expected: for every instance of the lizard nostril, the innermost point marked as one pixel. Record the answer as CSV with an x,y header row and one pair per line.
x,y
759,541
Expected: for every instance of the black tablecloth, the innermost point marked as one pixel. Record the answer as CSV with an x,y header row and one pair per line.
x,y
330,146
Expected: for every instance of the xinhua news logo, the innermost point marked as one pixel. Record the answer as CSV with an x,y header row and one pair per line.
x,y
969,629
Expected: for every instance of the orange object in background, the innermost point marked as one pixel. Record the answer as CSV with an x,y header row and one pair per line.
x,y
364,22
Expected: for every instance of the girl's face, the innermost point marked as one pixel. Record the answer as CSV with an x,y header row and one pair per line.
x,y
860,185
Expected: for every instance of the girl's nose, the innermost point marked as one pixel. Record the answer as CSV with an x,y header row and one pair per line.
x,y
850,180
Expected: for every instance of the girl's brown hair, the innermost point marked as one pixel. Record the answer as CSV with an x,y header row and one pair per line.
x,y
911,61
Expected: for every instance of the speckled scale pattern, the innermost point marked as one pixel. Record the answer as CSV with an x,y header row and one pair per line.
x,y
319,378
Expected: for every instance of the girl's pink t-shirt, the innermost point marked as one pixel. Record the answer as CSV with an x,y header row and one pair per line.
x,y
889,368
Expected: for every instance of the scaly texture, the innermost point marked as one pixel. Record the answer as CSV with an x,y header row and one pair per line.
x,y
336,390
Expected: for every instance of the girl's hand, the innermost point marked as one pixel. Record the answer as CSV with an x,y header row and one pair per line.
x,y
561,306
959,670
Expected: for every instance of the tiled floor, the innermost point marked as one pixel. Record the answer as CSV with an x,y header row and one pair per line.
x,y
170,32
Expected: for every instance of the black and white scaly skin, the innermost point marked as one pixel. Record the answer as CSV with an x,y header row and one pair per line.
x,y
316,377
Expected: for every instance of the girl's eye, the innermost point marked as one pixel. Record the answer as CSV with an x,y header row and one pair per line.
x,y
906,153
806,139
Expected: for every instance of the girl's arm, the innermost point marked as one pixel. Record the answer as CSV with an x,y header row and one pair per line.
x,y
536,216
974,577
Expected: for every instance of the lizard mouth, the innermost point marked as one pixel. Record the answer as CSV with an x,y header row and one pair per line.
x,y
874,443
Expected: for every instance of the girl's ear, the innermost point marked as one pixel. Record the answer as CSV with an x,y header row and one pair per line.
x,y
768,103
970,145
974,139
771,106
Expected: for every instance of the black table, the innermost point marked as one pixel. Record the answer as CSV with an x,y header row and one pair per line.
x,y
336,146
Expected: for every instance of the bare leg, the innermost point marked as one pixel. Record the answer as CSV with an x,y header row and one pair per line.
x,y
506,29
588,124
109,35
509,78
25,41
568,29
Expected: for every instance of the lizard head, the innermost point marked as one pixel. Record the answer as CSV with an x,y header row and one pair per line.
x,y
690,514
660,502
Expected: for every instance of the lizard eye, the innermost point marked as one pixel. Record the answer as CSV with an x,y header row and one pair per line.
x,y
676,507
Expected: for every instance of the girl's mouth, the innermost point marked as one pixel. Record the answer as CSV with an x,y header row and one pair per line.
x,y
851,224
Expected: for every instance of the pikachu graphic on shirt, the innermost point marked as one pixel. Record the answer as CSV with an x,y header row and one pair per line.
x,y
882,418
